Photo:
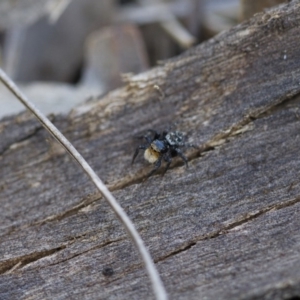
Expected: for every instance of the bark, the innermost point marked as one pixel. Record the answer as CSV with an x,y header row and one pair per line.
x,y
226,228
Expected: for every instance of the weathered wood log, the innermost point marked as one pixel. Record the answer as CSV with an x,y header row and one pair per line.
x,y
226,228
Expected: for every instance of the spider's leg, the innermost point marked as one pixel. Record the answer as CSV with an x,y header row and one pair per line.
x,y
148,138
154,132
156,166
142,147
164,133
181,155
168,160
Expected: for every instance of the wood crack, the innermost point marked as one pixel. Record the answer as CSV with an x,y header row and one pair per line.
x,y
20,140
86,251
250,217
10,266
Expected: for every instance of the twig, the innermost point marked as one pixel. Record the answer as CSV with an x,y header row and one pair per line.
x,y
171,25
157,284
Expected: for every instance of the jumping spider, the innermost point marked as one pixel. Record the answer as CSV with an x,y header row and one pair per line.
x,y
162,146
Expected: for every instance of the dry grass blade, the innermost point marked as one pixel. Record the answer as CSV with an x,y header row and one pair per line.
x,y
157,284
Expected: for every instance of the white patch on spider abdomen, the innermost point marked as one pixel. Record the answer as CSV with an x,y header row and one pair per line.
x,y
175,138
151,156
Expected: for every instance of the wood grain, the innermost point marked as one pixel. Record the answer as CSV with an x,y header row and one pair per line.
x,y
226,228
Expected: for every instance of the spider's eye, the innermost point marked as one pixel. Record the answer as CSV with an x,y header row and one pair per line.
x,y
158,145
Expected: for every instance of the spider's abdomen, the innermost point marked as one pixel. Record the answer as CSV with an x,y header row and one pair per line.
x,y
151,155
175,138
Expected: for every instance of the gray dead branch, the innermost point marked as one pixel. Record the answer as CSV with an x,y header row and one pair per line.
x,y
226,228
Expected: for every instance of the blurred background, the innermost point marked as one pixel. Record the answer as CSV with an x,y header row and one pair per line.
x,y
62,52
